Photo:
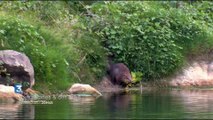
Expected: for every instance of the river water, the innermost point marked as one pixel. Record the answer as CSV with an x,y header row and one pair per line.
x,y
155,103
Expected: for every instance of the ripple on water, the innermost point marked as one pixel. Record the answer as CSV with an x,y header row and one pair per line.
x,y
158,103
16,111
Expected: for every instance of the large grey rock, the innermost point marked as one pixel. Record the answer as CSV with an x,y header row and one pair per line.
x,y
18,66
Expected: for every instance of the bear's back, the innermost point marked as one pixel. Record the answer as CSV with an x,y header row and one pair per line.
x,y
118,72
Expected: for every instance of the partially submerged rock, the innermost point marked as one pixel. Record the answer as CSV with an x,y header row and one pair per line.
x,y
13,97
7,89
78,88
18,66
7,93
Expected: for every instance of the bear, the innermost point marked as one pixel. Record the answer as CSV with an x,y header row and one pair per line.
x,y
119,74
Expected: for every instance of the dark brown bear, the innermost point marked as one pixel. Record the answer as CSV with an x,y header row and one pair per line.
x,y
119,74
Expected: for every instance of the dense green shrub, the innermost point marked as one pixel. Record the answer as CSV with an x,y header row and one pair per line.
x,y
147,47
94,55
193,35
148,37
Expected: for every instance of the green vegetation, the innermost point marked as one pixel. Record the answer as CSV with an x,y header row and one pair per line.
x,y
136,76
152,38
69,42
60,56
49,62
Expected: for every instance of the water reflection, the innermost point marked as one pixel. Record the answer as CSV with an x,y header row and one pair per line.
x,y
118,100
81,105
119,104
157,103
153,103
16,111
82,100
197,102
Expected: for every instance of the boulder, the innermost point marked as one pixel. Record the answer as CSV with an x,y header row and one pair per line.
x,y
18,66
78,88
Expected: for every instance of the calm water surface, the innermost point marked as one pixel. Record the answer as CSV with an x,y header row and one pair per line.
x,y
135,104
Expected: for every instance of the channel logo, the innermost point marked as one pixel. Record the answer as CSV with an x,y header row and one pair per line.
x,y
17,88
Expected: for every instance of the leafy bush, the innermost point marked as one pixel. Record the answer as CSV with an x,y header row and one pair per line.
x,y
148,37
136,76
92,62
95,55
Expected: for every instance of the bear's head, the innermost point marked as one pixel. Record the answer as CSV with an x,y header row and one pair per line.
x,y
126,80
